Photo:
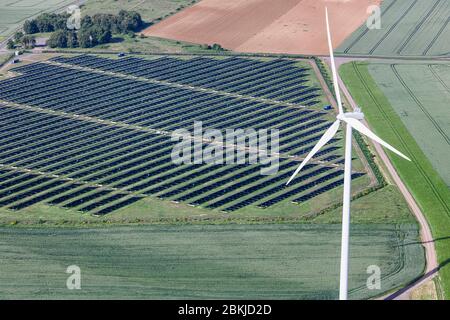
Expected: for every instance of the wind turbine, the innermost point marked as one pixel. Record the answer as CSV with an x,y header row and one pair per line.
x,y
352,121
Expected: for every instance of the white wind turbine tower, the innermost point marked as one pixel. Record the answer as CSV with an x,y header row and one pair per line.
x,y
352,120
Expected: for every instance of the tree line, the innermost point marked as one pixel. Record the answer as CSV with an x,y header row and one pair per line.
x,y
26,41
94,30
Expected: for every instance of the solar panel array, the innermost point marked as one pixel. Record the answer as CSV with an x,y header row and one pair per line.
x,y
93,134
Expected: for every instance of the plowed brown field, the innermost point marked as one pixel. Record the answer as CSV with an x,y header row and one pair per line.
x,y
273,26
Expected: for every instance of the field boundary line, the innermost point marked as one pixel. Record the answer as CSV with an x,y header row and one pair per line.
x,y
354,42
435,74
393,27
436,37
419,104
299,57
404,144
418,26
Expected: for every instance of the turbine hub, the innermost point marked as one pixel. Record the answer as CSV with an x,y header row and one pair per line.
x,y
354,115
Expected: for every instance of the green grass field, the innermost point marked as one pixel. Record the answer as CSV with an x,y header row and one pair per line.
x,y
150,10
14,12
420,95
409,28
428,188
195,262
125,43
385,206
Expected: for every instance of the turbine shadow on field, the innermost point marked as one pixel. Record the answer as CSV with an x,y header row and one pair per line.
x,y
426,276
424,242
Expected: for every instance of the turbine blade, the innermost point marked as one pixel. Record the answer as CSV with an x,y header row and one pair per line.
x,y
357,125
327,136
333,66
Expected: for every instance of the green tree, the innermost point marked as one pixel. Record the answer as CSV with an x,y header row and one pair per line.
x,y
102,35
129,21
10,44
58,39
30,27
72,39
60,21
94,30
86,22
106,21
45,23
49,22
28,41
86,38
217,47
18,36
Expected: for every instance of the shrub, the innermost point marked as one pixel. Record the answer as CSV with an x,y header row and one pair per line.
x,y
94,30
10,44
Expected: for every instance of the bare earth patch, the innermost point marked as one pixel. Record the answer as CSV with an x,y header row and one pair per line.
x,y
288,26
427,291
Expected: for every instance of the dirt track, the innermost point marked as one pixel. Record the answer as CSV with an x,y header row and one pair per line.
x,y
283,26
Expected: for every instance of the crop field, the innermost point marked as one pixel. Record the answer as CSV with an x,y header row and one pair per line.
x,y
428,188
14,12
290,261
289,26
149,9
420,94
409,28
94,135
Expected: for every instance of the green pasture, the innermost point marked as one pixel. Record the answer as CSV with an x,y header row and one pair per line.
x,y
150,10
420,95
424,182
125,43
408,28
194,262
14,12
382,206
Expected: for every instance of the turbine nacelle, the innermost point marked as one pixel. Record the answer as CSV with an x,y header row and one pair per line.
x,y
352,119
353,115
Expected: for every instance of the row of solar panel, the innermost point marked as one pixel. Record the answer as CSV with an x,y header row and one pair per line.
x,y
81,201
149,183
218,112
235,75
128,163
67,135
118,86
